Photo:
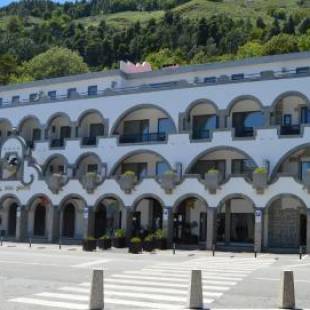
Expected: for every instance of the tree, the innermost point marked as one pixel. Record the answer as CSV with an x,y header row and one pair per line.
x,y
304,42
289,26
8,67
250,49
304,26
281,44
55,62
165,57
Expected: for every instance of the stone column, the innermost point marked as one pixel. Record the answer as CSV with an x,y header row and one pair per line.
x,y
52,223
308,232
258,229
21,223
168,225
227,221
222,119
211,227
87,219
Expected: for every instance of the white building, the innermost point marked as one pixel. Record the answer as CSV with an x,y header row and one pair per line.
x,y
67,142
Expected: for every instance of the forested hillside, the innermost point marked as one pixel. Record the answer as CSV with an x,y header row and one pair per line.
x,y
40,39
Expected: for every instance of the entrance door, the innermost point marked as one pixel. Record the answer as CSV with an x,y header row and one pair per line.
x,y
39,220
136,223
12,219
100,221
68,227
203,226
303,229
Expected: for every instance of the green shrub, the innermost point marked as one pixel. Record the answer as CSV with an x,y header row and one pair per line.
x,y
169,172
213,171
105,237
119,233
129,173
260,170
90,238
159,234
135,240
149,238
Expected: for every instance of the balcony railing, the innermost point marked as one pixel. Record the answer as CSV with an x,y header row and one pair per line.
x,y
244,132
290,130
144,137
201,134
57,142
89,141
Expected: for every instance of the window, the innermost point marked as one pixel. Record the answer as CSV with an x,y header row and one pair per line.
x,y
305,166
71,92
161,168
15,99
52,95
244,122
165,125
242,166
92,168
287,119
33,97
65,132
136,127
202,124
305,115
96,130
92,90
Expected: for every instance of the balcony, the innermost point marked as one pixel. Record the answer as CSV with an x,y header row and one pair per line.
x,y
290,130
89,141
201,134
57,143
244,132
143,137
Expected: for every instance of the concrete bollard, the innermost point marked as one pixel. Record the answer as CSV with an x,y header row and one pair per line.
x,y
287,292
96,300
173,248
194,297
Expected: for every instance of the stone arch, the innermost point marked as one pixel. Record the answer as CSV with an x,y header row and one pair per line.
x,y
196,102
133,153
138,107
189,195
243,98
214,149
290,93
51,158
56,115
86,113
236,195
25,119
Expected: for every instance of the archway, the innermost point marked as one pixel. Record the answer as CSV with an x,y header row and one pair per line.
x,y
68,224
40,221
286,223
147,216
235,222
12,219
190,221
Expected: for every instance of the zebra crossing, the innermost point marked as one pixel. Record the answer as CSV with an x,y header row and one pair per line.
x,y
160,286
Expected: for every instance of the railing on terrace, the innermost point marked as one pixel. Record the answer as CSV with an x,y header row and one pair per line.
x,y
89,141
57,142
290,130
148,137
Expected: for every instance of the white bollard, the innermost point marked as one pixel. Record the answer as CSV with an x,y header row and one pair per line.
x,y
287,292
96,300
194,298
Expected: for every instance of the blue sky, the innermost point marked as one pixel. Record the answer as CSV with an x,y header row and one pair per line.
x,y
5,2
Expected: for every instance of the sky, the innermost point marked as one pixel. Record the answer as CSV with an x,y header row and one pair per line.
x,y
5,2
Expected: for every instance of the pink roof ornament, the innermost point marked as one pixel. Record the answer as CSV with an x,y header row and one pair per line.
x,y
129,67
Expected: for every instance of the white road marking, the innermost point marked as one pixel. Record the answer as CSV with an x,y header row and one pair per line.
x,y
46,303
64,296
91,263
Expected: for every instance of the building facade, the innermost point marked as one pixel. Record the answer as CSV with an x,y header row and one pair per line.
x,y
215,154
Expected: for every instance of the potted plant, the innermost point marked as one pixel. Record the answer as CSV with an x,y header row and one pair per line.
x,y
127,181
169,180
89,244
55,182
149,243
212,180
90,181
104,242
119,239
160,239
135,245
260,176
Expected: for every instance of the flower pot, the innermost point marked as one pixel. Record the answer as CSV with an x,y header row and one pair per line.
x,y
119,242
135,248
104,244
161,244
260,181
89,245
168,182
148,246
127,183
212,181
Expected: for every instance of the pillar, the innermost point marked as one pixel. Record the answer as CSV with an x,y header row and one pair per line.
x,y
21,223
168,225
129,222
258,229
88,221
222,119
211,227
227,221
52,223
308,232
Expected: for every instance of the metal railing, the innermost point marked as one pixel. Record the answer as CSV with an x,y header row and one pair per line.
x,y
144,137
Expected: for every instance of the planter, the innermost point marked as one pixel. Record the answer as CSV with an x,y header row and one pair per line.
x,y
119,242
127,183
89,245
212,181
161,244
104,244
260,181
168,182
90,181
135,248
55,182
148,246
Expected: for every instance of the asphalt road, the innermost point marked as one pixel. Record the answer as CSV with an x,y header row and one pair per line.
x,y
44,277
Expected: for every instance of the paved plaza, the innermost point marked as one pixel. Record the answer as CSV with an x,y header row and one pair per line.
x,y
44,277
